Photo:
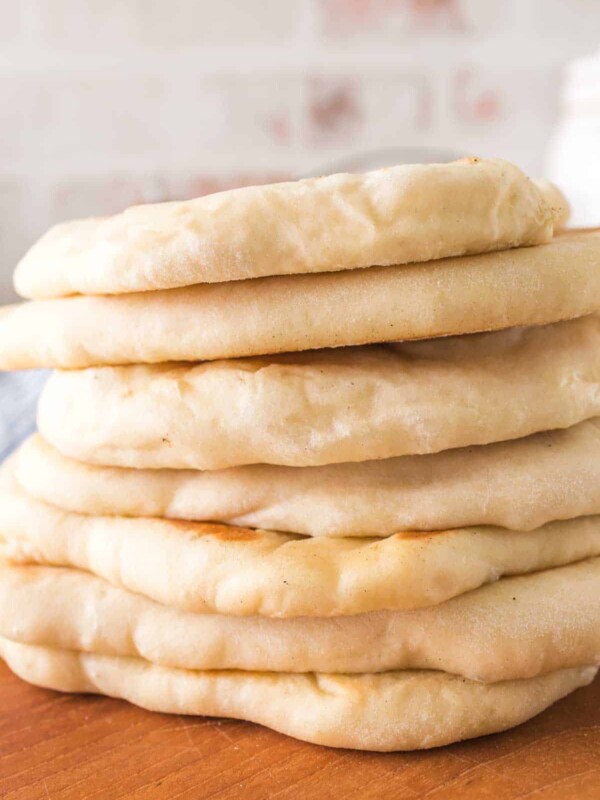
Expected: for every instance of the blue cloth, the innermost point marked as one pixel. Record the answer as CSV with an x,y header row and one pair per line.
x,y
19,392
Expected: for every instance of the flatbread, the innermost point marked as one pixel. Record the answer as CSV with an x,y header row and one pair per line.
x,y
208,568
557,201
520,484
529,286
324,407
389,711
389,216
516,628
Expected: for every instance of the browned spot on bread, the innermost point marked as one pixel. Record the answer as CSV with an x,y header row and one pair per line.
x,y
227,533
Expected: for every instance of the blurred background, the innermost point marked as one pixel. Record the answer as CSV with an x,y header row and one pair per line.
x,y
106,103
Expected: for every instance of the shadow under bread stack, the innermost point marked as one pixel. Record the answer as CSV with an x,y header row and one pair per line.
x,y
320,455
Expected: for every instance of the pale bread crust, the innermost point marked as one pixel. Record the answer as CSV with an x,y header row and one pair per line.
x,y
520,484
527,286
324,407
557,201
516,628
390,711
209,568
389,216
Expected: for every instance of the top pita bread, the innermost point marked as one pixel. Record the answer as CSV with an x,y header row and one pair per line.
x,y
526,286
391,216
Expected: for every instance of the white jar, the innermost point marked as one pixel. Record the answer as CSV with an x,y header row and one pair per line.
x,y
573,158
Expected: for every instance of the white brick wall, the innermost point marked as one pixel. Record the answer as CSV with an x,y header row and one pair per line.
x,y
385,20
16,103
227,23
104,103
13,231
95,117
11,22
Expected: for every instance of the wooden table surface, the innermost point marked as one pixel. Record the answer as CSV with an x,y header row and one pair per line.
x,y
77,748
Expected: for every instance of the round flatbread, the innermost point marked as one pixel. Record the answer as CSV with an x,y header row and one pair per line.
x,y
528,286
520,484
328,406
389,216
208,568
389,711
516,628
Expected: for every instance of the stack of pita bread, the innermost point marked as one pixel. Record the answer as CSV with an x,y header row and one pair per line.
x,y
321,455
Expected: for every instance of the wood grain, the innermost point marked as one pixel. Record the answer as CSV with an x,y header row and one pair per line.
x,y
83,748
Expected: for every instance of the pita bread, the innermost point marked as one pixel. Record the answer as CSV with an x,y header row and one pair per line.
x,y
520,484
557,201
208,568
324,407
529,286
389,216
389,711
516,628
